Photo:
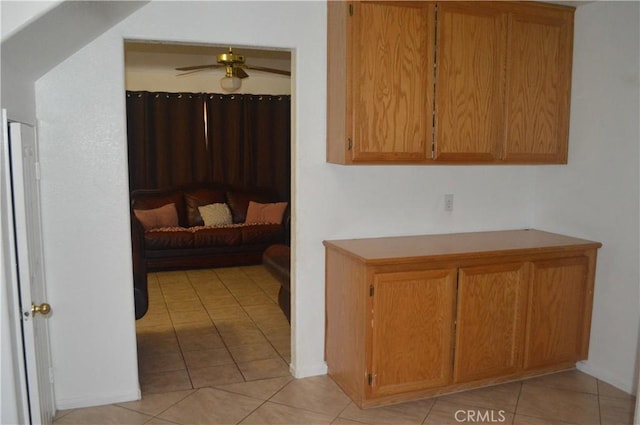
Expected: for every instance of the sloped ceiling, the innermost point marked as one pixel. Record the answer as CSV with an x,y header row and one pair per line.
x,y
58,33
50,39
15,15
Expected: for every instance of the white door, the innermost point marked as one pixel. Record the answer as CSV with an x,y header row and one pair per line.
x,y
25,189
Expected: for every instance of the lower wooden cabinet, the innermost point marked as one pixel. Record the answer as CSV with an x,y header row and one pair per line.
x,y
408,358
556,331
490,320
412,317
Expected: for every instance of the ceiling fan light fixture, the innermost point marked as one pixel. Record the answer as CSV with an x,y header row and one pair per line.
x,y
232,83
234,70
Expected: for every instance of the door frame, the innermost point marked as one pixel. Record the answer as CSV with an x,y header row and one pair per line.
x,y
15,382
30,343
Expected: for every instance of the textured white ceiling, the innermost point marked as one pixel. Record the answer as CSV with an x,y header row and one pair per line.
x,y
141,56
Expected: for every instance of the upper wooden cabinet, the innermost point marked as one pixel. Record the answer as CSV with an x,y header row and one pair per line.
x,y
448,82
539,56
470,75
378,87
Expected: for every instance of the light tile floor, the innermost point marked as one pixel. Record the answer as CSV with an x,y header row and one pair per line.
x,y
212,327
214,349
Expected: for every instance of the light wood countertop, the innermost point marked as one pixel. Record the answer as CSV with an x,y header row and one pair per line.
x,y
474,244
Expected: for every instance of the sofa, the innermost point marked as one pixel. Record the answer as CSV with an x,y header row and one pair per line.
x,y
201,226
277,260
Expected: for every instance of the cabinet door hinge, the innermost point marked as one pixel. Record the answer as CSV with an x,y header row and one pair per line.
x,y
349,144
434,88
371,290
351,10
433,142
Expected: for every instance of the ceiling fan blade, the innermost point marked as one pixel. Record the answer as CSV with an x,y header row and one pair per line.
x,y
195,71
240,72
272,70
191,68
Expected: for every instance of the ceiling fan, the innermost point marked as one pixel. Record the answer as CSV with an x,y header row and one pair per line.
x,y
235,66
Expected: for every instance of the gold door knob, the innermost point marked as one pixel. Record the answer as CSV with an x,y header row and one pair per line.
x,y
43,309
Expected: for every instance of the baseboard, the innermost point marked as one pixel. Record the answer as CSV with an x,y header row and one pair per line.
x,y
603,375
89,401
310,370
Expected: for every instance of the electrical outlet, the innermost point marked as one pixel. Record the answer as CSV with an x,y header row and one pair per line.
x,y
448,202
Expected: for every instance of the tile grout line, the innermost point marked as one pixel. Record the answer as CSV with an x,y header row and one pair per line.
x,y
280,356
270,399
162,289
157,415
515,408
213,323
599,404
435,400
175,332
288,362
226,344
166,308
342,411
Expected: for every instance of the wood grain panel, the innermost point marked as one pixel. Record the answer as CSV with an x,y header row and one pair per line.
x,y
412,326
588,304
337,17
539,84
469,82
459,246
403,334
490,321
556,312
346,301
391,80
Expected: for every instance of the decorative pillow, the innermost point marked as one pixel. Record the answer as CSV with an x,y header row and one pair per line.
x,y
215,214
198,197
165,216
239,202
265,213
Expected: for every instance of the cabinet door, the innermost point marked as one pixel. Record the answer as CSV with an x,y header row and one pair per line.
x,y
539,84
469,111
391,80
490,321
556,312
411,335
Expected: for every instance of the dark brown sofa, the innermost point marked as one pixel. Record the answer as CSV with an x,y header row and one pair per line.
x,y
277,260
193,245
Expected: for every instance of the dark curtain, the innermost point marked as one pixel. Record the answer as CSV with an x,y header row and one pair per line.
x,y
166,139
245,140
250,140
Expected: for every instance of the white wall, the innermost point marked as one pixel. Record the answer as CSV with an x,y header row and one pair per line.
x,y
86,229
85,210
596,195
206,81
17,94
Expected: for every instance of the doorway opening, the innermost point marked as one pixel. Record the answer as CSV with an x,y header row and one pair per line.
x,y
210,320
